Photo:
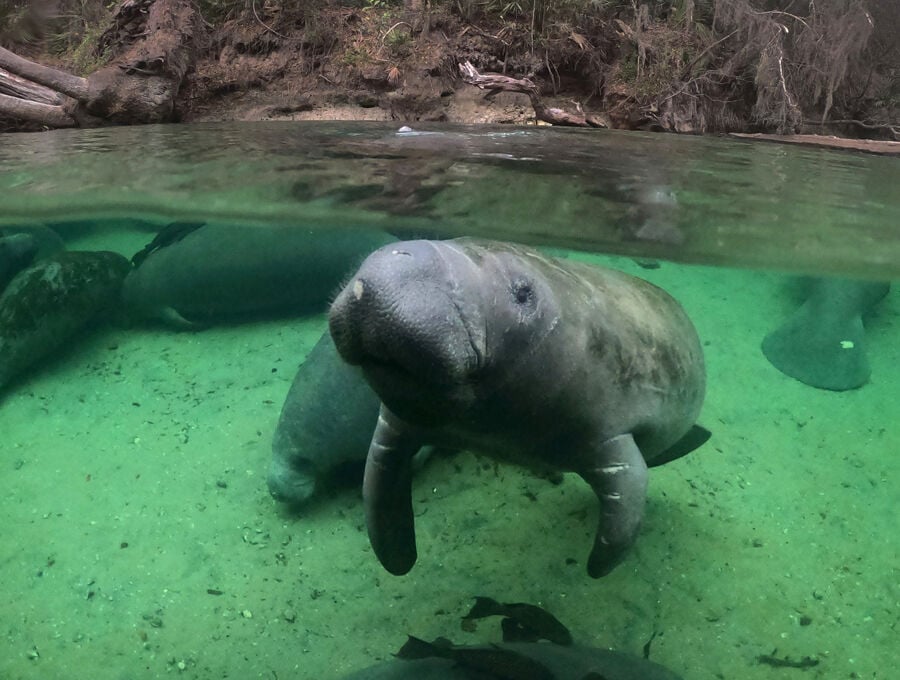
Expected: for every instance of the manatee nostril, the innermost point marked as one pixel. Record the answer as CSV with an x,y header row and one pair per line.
x,y
401,252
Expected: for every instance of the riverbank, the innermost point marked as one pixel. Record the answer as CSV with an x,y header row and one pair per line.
x,y
675,68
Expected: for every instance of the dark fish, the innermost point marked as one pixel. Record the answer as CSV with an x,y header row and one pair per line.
x,y
169,234
523,623
494,661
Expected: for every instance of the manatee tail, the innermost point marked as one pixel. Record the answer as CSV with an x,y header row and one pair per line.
x,y
823,343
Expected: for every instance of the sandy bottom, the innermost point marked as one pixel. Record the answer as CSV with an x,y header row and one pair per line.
x,y
139,540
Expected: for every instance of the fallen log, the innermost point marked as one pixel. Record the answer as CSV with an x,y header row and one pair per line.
x,y
50,115
153,43
15,86
495,83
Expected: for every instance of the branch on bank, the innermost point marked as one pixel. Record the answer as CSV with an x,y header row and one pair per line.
x,y
495,83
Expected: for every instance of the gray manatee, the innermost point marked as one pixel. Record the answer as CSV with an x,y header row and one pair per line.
x,y
52,300
555,365
20,246
16,252
223,272
823,343
326,422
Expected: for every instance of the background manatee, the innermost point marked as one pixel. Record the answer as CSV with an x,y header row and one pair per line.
x,y
16,252
47,240
326,422
222,272
823,343
20,246
50,301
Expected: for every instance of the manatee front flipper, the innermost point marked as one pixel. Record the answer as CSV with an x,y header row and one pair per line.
x,y
823,343
618,475
692,440
387,493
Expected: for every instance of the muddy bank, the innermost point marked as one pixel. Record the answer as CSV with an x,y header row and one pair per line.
x,y
696,68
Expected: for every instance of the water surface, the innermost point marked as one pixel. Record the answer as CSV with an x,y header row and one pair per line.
x,y
693,199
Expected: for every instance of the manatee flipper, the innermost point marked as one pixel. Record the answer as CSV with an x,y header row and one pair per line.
x,y
696,437
173,317
618,475
387,493
823,343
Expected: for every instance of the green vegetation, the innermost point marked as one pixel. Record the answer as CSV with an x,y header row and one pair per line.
x,y
776,64
68,30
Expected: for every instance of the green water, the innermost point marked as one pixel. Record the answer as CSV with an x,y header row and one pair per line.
x,y
720,201
140,540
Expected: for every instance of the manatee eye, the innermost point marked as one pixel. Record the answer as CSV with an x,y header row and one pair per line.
x,y
522,292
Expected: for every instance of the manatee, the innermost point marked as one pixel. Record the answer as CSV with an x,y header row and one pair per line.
x,y
823,343
47,240
50,301
220,272
326,424
555,365
20,246
16,252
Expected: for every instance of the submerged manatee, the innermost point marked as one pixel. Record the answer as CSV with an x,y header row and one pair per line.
x,y
551,364
50,301
16,252
221,272
823,343
326,422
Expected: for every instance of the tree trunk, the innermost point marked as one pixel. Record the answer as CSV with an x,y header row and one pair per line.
x,y
44,75
154,44
24,89
495,83
50,115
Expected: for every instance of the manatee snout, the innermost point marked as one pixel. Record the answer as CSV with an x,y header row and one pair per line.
x,y
291,480
397,314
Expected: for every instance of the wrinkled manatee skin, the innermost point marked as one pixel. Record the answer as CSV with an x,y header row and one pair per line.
x,y
222,272
554,365
326,421
49,302
573,662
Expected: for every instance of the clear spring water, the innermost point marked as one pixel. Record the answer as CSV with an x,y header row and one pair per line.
x,y
140,540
